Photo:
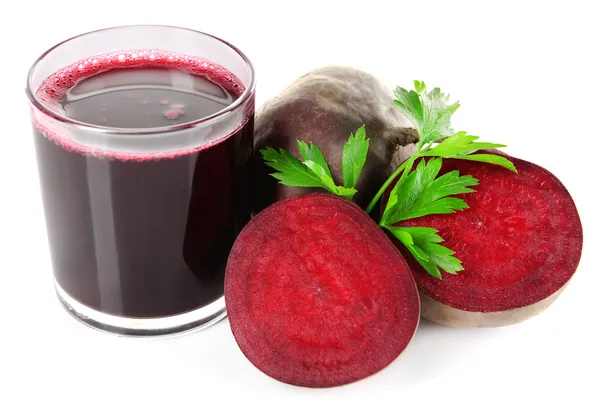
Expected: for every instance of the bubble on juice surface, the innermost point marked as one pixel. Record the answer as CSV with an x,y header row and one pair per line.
x,y
174,112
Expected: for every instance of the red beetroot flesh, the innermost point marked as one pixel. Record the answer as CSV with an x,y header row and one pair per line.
x,y
520,241
317,295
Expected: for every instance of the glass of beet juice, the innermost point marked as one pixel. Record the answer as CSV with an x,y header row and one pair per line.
x,y
143,136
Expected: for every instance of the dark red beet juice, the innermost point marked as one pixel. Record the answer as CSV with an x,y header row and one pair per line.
x,y
142,234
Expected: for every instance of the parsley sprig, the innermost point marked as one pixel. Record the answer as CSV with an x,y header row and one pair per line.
x,y
422,193
419,191
314,171
430,114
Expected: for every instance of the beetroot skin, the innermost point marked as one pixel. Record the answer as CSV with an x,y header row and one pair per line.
x,y
520,243
317,295
324,107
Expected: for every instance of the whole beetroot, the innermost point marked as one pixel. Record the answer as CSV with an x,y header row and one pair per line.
x,y
324,107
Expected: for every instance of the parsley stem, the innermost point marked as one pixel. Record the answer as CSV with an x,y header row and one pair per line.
x,y
405,167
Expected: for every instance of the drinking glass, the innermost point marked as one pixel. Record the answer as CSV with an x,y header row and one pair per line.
x,y
140,221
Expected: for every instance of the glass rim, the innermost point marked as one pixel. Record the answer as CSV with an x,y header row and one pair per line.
x,y
107,130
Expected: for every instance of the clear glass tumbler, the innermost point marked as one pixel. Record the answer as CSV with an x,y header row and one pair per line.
x,y
141,214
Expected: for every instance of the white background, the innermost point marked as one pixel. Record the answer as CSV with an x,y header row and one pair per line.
x,y
526,74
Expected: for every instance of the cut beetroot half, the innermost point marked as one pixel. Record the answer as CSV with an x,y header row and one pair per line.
x,y
519,242
317,295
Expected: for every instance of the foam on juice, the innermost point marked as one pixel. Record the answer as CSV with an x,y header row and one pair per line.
x,y
59,89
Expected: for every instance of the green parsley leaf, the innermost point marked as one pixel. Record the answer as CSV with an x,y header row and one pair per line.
x,y
409,104
460,145
424,244
420,193
490,159
406,238
312,172
292,172
354,156
429,112
420,87
314,160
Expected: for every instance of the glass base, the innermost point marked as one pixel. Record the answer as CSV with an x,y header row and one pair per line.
x,y
143,327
